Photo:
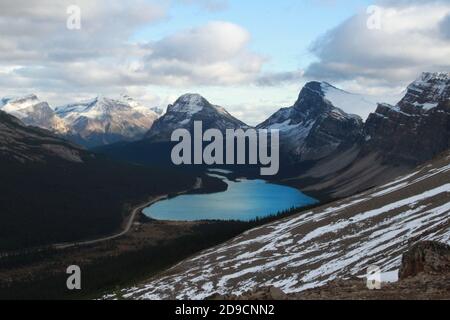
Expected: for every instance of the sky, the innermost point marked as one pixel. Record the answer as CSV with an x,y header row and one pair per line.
x,y
251,57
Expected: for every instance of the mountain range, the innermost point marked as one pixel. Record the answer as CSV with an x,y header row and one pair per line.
x,y
392,141
385,181
93,123
325,151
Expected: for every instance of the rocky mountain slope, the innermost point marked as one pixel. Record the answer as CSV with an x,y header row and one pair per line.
x,y
103,121
22,144
316,125
34,112
188,109
93,123
313,248
418,127
394,140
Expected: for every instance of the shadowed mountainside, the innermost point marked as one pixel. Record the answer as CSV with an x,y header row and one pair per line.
x,y
53,191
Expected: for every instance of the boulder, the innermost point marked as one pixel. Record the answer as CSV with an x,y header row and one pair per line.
x,y
425,257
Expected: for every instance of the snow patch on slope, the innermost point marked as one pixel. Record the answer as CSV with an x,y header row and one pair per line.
x,y
348,102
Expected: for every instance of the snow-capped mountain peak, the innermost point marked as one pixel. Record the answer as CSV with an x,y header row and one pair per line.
x,y
190,108
102,106
314,126
98,107
139,106
189,103
10,104
104,120
33,112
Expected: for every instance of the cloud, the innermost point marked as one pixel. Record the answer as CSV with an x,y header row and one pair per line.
x,y
444,27
413,38
35,32
213,42
215,53
272,79
42,54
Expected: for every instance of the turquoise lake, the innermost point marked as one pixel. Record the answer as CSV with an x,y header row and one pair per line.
x,y
244,200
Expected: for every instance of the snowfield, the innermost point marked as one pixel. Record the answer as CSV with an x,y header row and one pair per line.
x,y
350,103
310,249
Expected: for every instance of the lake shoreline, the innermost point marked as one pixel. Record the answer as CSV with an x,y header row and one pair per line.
x,y
244,199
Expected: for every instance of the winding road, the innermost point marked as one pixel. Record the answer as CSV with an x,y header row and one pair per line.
x,y
134,213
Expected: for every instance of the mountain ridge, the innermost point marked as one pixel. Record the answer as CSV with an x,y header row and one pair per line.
x,y
91,123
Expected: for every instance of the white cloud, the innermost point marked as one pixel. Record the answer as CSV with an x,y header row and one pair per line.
x,y
280,78
411,40
49,57
215,53
213,42
35,31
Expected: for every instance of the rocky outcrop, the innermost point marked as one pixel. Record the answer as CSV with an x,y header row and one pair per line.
x,y
426,257
417,128
22,144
